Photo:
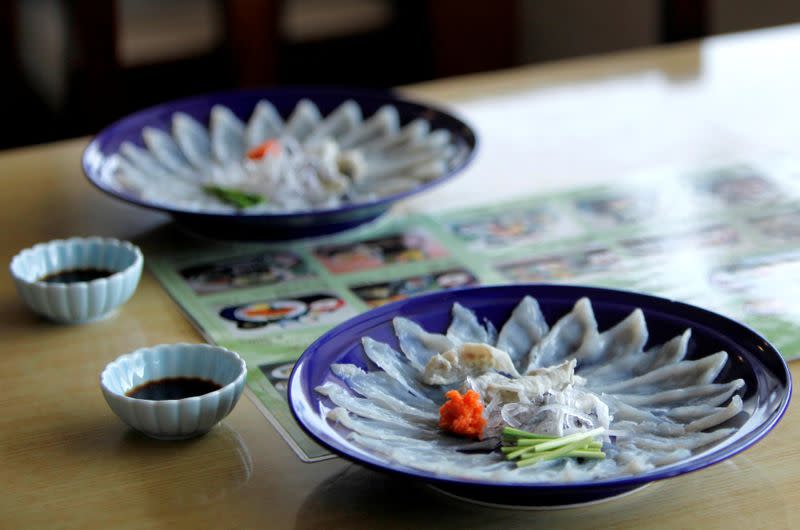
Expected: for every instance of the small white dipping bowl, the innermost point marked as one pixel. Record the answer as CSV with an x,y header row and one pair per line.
x,y
77,302
174,419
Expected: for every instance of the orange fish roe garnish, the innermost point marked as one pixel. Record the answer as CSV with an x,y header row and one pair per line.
x,y
269,147
463,415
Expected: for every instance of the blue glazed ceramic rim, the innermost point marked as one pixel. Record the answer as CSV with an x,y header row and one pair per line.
x,y
242,102
304,403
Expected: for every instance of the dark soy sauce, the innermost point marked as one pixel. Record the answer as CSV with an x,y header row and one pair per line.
x,y
76,275
173,388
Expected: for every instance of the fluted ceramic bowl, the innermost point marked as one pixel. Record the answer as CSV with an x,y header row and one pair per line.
x,y
80,301
174,419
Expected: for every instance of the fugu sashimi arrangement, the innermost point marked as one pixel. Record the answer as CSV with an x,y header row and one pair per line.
x,y
306,162
533,402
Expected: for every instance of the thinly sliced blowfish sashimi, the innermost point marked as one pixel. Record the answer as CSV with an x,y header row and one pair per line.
x,y
465,327
688,441
711,394
684,373
624,340
165,150
522,331
227,135
142,160
658,408
417,344
264,124
337,123
382,392
420,438
382,430
385,121
391,362
573,332
366,408
193,139
467,359
670,352
302,120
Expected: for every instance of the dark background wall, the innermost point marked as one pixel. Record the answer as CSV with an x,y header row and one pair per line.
x,y
71,66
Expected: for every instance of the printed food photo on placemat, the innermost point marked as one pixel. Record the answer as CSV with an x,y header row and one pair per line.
x,y
265,268
560,267
780,227
739,185
515,227
718,235
378,294
284,314
611,211
406,247
278,375
766,283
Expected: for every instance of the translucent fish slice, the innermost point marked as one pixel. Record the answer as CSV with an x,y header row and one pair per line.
x,y
575,331
712,394
392,363
165,150
682,374
302,121
670,352
465,327
265,123
624,340
227,135
417,344
339,122
385,391
410,134
193,140
385,122
522,331
142,159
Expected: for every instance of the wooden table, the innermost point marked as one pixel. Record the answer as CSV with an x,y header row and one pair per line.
x,y
68,461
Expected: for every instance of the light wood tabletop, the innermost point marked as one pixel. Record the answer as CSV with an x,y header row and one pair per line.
x,y
67,461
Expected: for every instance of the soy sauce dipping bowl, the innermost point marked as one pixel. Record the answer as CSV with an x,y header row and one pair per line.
x,y
80,301
174,419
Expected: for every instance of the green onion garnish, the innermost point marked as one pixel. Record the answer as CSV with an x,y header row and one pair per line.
x,y
239,199
530,448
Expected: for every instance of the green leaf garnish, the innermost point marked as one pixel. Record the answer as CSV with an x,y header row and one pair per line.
x,y
239,199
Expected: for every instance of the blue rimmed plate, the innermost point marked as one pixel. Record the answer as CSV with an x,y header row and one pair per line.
x,y
98,157
751,358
